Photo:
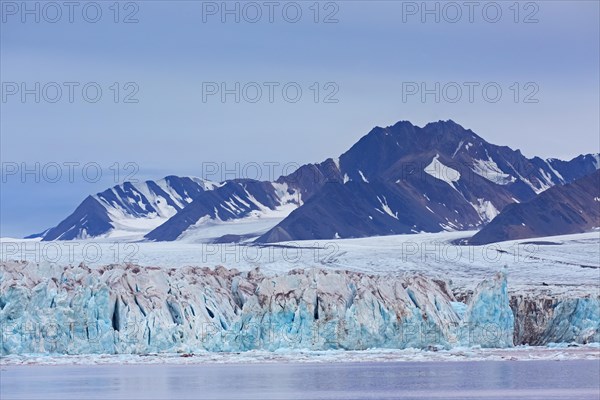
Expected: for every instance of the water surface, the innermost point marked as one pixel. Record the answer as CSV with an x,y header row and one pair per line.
x,y
578,379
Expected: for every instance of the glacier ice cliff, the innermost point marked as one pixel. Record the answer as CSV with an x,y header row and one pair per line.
x,y
544,319
140,310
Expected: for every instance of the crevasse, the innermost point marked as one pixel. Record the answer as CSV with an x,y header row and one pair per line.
x,y
140,310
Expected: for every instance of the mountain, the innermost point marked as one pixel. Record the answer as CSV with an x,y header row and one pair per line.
x,y
243,209
562,209
398,179
129,209
236,199
404,179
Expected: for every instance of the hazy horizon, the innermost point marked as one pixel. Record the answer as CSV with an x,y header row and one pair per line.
x,y
366,59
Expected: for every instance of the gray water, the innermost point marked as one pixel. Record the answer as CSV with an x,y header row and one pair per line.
x,y
402,380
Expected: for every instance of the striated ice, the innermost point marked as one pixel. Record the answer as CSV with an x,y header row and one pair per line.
x,y
545,319
128,309
489,315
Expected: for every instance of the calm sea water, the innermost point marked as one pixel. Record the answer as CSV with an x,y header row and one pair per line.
x,y
407,380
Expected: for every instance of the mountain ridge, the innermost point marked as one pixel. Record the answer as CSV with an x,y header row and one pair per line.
x,y
396,179
557,211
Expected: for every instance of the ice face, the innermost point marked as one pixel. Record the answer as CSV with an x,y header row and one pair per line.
x,y
575,320
489,316
128,309
544,319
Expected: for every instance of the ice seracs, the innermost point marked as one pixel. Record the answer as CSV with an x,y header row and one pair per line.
x,y
489,311
140,310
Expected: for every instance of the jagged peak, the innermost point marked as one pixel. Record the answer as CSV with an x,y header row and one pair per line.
x,y
446,123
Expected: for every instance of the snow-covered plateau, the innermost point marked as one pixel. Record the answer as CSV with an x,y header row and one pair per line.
x,y
394,292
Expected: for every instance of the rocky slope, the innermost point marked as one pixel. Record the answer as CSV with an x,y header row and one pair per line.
x,y
405,179
128,209
560,210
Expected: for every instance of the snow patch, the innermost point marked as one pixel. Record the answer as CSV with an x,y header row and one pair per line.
x,y
362,176
596,160
442,172
489,170
486,210
457,148
555,172
336,161
386,208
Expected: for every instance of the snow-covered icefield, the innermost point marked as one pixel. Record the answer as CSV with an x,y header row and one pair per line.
x,y
562,265
567,264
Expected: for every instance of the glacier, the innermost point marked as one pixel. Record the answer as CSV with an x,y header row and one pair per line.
x,y
545,319
131,309
128,309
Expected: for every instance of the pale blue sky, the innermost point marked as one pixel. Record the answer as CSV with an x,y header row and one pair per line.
x,y
369,53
